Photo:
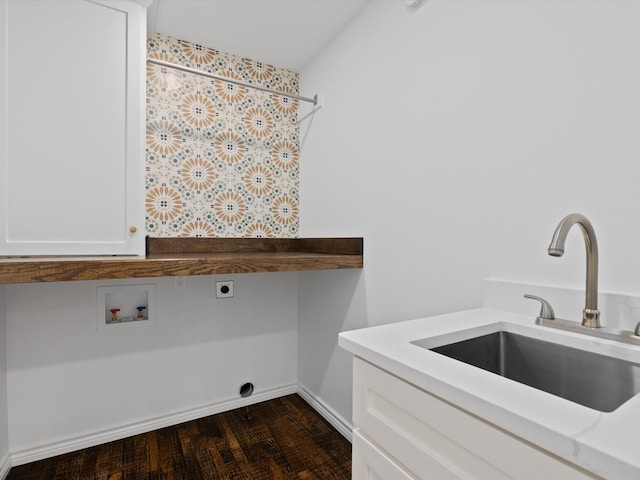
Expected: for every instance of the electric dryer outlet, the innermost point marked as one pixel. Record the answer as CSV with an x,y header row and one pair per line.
x,y
224,289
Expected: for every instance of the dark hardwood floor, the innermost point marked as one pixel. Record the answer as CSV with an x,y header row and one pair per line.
x,y
279,439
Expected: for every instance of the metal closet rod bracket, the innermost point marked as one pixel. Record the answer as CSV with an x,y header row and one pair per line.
x,y
195,71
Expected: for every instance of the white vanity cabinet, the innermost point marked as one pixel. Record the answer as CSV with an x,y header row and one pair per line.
x,y
404,432
72,127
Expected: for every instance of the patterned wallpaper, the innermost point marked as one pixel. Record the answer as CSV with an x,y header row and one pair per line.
x,y
221,159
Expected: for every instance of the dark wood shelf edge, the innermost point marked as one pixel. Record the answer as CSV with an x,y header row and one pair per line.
x,y
336,245
209,256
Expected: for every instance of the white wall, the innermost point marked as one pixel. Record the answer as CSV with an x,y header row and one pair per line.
x,y
453,140
70,384
4,422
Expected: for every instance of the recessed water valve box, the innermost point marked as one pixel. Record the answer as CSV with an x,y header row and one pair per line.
x,y
124,306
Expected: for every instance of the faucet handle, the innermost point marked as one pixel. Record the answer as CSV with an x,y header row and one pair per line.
x,y
546,310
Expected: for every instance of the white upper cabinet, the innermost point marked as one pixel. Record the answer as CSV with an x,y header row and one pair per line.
x,y
72,126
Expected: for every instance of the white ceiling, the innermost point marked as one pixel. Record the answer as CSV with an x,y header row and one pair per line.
x,y
284,33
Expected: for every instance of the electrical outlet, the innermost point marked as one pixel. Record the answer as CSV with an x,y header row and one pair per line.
x,y
224,289
179,282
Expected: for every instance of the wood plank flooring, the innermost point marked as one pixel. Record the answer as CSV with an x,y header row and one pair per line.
x,y
279,439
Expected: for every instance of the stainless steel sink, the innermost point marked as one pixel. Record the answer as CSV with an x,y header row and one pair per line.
x,y
590,379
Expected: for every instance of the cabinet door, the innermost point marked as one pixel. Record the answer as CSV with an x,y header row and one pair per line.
x,y
71,162
371,463
432,438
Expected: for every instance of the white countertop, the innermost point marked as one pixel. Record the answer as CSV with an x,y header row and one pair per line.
x,y
606,444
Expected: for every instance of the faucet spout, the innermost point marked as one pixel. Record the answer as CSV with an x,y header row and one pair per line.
x,y
590,314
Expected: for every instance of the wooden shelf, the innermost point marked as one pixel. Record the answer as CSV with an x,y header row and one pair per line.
x,y
192,256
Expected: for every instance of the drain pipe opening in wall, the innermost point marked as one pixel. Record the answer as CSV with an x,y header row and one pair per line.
x,y
246,390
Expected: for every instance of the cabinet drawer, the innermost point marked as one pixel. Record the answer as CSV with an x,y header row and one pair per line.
x,y
371,463
434,439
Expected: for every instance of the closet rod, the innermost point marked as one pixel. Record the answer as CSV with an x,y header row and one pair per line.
x,y
313,100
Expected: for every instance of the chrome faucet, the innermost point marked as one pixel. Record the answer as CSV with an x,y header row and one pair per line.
x,y
590,314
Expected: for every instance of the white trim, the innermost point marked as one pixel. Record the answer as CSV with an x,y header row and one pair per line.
x,y
339,423
39,452
143,3
5,466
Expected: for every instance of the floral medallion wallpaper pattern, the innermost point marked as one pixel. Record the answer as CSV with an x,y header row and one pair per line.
x,y
221,159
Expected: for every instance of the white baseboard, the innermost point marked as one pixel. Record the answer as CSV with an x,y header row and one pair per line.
x,y
5,466
339,423
38,452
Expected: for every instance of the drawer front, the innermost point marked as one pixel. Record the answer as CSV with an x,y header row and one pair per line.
x,y
434,439
371,463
